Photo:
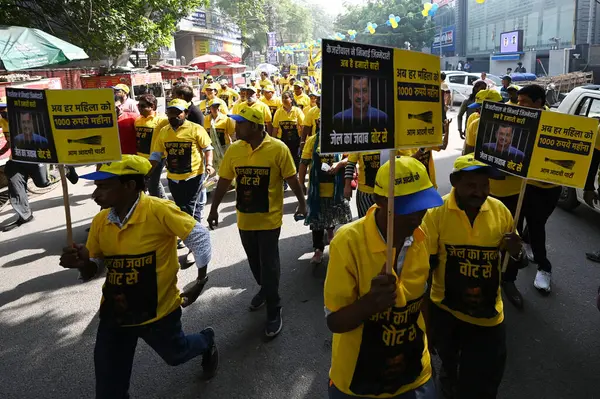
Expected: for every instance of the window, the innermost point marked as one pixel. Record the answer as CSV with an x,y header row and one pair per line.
x,y
472,79
594,111
459,79
589,107
584,106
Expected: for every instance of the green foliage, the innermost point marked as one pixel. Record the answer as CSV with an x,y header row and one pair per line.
x,y
102,27
412,28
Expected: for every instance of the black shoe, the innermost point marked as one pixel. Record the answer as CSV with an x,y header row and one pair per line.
x,y
593,256
512,293
72,175
16,223
274,323
257,302
210,360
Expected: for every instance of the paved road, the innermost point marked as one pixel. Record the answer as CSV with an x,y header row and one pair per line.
x,y
48,320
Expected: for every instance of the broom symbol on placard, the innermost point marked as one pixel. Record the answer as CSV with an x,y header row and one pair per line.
x,y
92,140
564,163
423,116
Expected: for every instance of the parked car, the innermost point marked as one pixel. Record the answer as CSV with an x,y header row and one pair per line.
x,y
582,101
461,83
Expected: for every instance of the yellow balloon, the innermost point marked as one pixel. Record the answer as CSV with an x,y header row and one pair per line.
x,y
427,6
394,23
424,13
371,29
480,1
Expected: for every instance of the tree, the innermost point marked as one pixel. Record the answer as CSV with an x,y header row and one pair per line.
x,y
103,28
413,27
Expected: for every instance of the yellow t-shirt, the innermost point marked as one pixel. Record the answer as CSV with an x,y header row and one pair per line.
x,y
259,176
264,108
368,164
183,149
466,282
472,127
145,129
274,104
287,122
4,126
228,96
235,110
141,261
326,188
309,88
303,101
313,119
205,106
387,355
224,125
264,83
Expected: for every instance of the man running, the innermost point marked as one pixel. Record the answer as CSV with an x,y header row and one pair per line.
x,y
379,345
134,239
259,164
467,235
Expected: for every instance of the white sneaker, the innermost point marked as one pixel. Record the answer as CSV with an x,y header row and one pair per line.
x,y
528,252
543,281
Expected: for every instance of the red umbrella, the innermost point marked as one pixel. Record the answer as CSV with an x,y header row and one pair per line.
x,y
228,56
207,61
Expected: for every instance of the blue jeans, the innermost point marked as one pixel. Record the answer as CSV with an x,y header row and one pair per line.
x,y
115,348
425,391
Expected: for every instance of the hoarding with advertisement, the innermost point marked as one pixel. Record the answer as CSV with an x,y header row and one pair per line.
x,y
511,42
445,41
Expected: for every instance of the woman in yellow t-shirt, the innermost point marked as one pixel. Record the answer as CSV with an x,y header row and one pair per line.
x,y
287,125
327,206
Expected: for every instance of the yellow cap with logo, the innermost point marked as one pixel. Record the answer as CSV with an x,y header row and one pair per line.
x,y
178,103
122,87
413,191
486,95
212,86
128,165
468,163
248,114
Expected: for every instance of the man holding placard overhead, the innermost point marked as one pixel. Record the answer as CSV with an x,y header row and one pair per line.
x,y
466,235
379,343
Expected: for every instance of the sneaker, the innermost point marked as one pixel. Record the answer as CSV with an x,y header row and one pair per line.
x,y
528,252
543,281
274,324
317,257
210,360
257,302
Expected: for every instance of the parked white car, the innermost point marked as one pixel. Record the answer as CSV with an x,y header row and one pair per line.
x,y
461,83
583,101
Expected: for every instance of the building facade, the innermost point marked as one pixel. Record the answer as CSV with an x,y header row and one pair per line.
x,y
206,32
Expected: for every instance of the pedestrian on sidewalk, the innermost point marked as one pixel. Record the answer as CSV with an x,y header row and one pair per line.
x,y
259,164
148,126
327,207
467,235
134,239
379,346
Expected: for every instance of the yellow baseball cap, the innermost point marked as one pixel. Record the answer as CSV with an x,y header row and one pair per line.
x,y
413,191
513,87
128,165
123,87
248,114
178,103
468,163
269,88
299,84
212,86
486,95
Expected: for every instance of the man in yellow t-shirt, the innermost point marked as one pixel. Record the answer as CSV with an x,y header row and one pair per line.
x,y
254,84
504,187
368,164
302,99
469,235
211,91
264,80
283,82
312,121
188,150
134,238
259,164
308,87
238,104
147,127
379,343
271,99
224,126
227,94
252,101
